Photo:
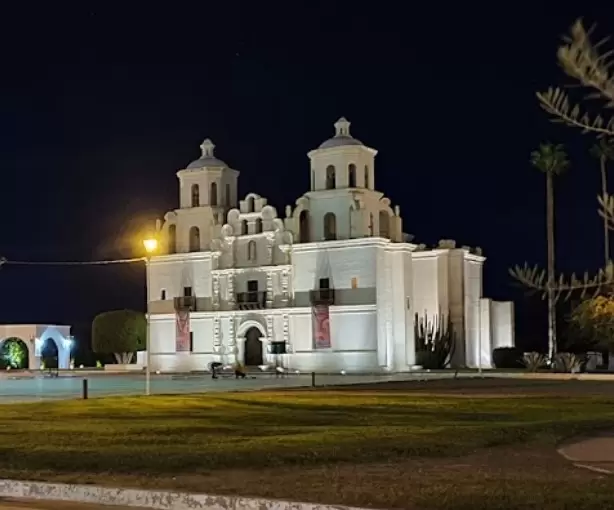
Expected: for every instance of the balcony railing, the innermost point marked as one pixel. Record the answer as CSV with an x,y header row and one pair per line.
x,y
251,300
185,303
322,296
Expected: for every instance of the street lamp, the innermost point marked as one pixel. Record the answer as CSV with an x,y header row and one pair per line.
x,y
151,245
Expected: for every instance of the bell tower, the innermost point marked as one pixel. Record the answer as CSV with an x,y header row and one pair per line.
x,y
207,191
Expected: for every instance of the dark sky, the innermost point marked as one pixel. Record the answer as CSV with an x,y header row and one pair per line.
x,y
100,106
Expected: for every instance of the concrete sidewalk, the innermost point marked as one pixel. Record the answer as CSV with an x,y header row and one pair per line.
x,y
595,453
23,504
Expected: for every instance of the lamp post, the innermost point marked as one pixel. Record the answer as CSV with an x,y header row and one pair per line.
x,y
151,245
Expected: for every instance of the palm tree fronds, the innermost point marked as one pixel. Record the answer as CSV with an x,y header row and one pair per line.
x,y
535,279
585,62
550,158
557,104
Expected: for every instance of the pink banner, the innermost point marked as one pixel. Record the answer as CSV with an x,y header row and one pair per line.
x,y
320,325
182,331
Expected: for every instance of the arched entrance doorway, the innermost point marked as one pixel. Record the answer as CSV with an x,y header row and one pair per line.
x,y
49,354
14,353
253,355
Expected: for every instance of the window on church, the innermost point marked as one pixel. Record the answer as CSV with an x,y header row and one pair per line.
x,y
213,194
324,283
187,292
172,239
251,250
367,176
330,227
330,177
194,239
352,175
258,225
250,205
228,197
303,226
162,294
195,195
244,227
384,224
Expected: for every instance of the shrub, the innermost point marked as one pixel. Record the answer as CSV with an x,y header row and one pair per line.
x,y
568,362
533,361
507,357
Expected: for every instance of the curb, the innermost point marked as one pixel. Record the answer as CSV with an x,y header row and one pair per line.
x,y
163,500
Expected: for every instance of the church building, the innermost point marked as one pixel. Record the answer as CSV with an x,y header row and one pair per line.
x,y
333,284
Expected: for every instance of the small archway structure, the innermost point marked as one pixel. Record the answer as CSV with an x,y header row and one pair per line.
x,y
41,340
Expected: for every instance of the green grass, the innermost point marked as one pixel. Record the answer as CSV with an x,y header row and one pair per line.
x,y
381,447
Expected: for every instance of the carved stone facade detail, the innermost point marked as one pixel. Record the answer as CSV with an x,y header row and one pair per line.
x,y
269,328
216,292
286,332
269,290
231,289
285,294
217,337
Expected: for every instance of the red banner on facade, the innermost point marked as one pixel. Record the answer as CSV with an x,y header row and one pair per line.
x,y
320,326
182,331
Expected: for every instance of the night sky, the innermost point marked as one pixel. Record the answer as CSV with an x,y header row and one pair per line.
x,y
100,106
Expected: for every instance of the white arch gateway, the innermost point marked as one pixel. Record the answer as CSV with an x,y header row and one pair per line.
x,y
36,336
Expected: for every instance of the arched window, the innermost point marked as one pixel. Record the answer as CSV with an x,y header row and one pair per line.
x,y
250,204
303,226
194,239
172,239
258,225
228,197
251,250
367,176
195,195
330,226
244,227
330,177
384,224
352,175
213,194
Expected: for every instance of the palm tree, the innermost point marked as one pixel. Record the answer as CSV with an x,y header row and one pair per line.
x,y
552,160
604,152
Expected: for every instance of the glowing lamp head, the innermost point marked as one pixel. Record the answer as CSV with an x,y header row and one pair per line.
x,y
150,244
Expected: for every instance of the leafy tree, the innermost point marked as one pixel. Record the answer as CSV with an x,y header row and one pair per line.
x,y
119,332
591,68
595,319
551,160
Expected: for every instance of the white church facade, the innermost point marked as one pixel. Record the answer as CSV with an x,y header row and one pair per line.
x,y
332,285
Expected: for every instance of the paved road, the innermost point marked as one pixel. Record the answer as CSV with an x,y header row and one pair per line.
x,y
18,504
39,387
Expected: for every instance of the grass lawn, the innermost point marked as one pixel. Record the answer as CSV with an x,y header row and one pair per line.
x,y
486,444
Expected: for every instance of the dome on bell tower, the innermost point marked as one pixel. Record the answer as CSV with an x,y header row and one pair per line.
x,y
342,136
207,158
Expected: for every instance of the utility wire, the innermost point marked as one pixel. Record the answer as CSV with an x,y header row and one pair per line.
x,y
73,263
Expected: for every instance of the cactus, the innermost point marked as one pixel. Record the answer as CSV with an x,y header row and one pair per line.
x,y
435,341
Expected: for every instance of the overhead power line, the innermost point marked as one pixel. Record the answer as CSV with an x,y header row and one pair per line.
x,y
71,263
